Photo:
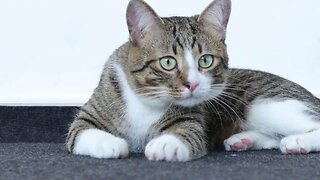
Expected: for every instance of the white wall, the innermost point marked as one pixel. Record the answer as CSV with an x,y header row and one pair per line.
x,y
53,51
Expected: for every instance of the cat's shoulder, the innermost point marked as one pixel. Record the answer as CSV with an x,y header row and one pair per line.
x,y
121,52
119,57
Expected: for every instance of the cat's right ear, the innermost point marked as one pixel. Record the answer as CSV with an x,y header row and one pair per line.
x,y
142,21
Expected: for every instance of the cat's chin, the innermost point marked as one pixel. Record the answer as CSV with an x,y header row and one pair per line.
x,y
189,102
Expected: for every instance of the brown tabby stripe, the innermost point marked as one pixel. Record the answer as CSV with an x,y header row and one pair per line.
x,y
174,49
89,121
200,48
271,94
192,27
179,42
176,121
74,139
68,135
198,138
144,66
153,81
187,138
85,111
107,125
174,27
193,142
194,39
96,122
156,72
93,106
224,64
75,133
114,81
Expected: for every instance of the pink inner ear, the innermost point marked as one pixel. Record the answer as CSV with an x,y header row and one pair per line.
x,y
226,10
218,14
140,18
134,25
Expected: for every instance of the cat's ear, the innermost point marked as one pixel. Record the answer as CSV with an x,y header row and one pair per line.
x,y
217,15
141,20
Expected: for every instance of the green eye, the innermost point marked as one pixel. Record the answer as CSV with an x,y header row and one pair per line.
x,y
206,61
168,63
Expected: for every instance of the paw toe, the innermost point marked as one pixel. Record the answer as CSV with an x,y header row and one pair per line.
x,y
236,144
293,145
167,148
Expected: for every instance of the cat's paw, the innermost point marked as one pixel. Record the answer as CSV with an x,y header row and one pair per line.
x,y
100,144
235,143
295,144
167,148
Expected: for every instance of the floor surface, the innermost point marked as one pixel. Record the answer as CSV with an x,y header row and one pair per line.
x,y
51,161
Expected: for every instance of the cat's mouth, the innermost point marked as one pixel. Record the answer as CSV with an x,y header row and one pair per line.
x,y
189,100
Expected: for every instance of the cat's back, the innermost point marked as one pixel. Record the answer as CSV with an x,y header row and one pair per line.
x,y
261,84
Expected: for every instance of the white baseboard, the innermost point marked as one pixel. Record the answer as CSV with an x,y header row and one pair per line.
x,y
43,102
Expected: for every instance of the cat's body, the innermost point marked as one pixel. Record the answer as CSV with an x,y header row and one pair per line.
x,y
169,92
266,109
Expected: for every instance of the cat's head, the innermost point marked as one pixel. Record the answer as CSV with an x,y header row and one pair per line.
x,y
180,60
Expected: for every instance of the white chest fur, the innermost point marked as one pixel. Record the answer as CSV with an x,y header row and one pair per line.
x,y
140,115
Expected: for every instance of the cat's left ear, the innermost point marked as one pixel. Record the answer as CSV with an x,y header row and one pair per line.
x,y
217,15
142,21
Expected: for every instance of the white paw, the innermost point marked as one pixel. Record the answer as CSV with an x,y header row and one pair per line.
x,y
167,148
237,143
100,144
295,144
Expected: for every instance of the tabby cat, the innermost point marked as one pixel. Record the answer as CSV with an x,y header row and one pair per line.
x,y
168,92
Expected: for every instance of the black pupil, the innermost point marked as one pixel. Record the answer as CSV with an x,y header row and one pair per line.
x,y
168,61
205,60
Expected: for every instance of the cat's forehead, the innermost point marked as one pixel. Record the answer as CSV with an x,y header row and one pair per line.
x,y
183,26
182,32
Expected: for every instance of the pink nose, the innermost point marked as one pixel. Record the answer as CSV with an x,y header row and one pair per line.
x,y
191,85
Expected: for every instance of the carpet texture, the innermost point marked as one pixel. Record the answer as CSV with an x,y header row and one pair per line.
x,y
51,161
35,124
31,147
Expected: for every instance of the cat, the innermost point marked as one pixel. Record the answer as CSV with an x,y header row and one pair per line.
x,y
145,100
168,92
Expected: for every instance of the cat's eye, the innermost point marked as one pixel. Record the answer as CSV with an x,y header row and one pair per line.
x,y
168,63
206,61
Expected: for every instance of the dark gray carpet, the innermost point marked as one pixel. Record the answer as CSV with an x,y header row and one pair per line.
x,y
35,123
31,148
51,161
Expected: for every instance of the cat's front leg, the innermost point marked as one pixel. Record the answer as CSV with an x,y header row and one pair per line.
x,y
182,141
100,144
85,137
92,134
